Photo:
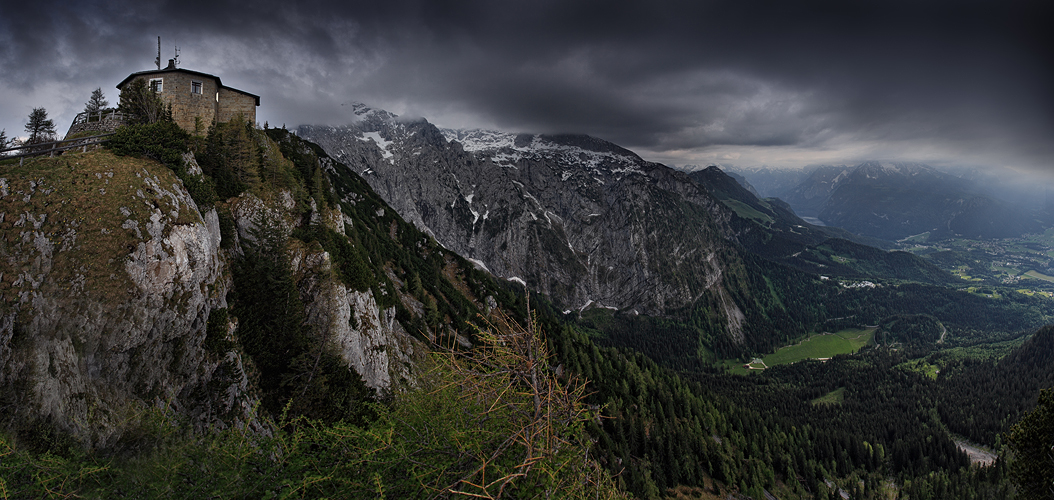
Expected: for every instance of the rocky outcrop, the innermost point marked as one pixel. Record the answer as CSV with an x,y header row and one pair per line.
x,y
349,322
109,272
352,324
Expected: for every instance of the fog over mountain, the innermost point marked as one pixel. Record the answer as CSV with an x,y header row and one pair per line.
x,y
749,83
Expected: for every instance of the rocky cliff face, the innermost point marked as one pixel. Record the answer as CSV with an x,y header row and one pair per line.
x,y
350,322
580,219
108,273
109,276
366,336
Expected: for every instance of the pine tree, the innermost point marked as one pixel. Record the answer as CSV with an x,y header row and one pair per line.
x,y
97,102
1032,440
3,139
142,105
40,127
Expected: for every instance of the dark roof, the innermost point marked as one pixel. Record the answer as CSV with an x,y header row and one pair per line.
x,y
189,72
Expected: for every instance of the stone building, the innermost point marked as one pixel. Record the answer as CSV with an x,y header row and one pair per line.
x,y
197,99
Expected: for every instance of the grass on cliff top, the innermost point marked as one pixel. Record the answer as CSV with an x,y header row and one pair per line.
x,y
77,203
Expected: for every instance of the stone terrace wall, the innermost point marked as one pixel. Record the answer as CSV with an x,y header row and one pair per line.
x,y
107,124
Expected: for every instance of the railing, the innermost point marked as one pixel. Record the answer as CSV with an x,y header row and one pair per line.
x,y
50,148
98,116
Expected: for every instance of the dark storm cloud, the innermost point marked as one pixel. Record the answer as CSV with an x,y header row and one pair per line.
x,y
960,79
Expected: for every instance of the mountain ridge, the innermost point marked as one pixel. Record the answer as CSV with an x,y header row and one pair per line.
x,y
521,173
895,200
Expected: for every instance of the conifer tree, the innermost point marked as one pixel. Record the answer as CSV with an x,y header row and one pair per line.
x,y
40,127
3,139
1032,440
141,105
97,102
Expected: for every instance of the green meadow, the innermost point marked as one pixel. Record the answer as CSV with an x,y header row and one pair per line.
x,y
1040,276
831,398
816,346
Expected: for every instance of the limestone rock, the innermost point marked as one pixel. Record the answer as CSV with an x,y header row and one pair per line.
x,y
108,274
352,324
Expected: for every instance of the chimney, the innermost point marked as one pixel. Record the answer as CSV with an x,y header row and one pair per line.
x,y
171,64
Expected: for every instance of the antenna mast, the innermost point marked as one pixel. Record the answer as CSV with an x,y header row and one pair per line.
x,y
158,60
175,60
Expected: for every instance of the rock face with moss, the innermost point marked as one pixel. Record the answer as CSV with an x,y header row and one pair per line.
x,y
352,324
109,273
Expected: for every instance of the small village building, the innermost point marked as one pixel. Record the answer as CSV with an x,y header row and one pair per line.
x,y
197,99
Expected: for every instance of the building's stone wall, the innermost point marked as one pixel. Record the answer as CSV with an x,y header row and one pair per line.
x,y
193,112
234,103
196,112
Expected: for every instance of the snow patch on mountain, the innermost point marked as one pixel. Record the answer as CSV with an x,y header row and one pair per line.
x,y
479,140
381,143
502,149
479,265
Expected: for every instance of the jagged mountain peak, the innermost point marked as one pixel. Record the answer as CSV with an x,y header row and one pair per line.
x,y
364,113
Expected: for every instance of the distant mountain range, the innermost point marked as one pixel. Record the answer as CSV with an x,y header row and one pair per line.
x,y
767,182
895,200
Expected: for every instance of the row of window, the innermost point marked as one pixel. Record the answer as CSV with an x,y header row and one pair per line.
x,y
158,85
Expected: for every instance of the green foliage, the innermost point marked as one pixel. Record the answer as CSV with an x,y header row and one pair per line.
x,y
1032,440
307,158
232,158
25,474
165,142
491,422
909,328
980,396
162,141
348,259
141,105
216,332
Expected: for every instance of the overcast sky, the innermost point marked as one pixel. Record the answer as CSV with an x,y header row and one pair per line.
x,y
779,83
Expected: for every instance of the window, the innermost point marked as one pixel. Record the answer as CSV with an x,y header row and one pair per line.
x,y
157,84
195,87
